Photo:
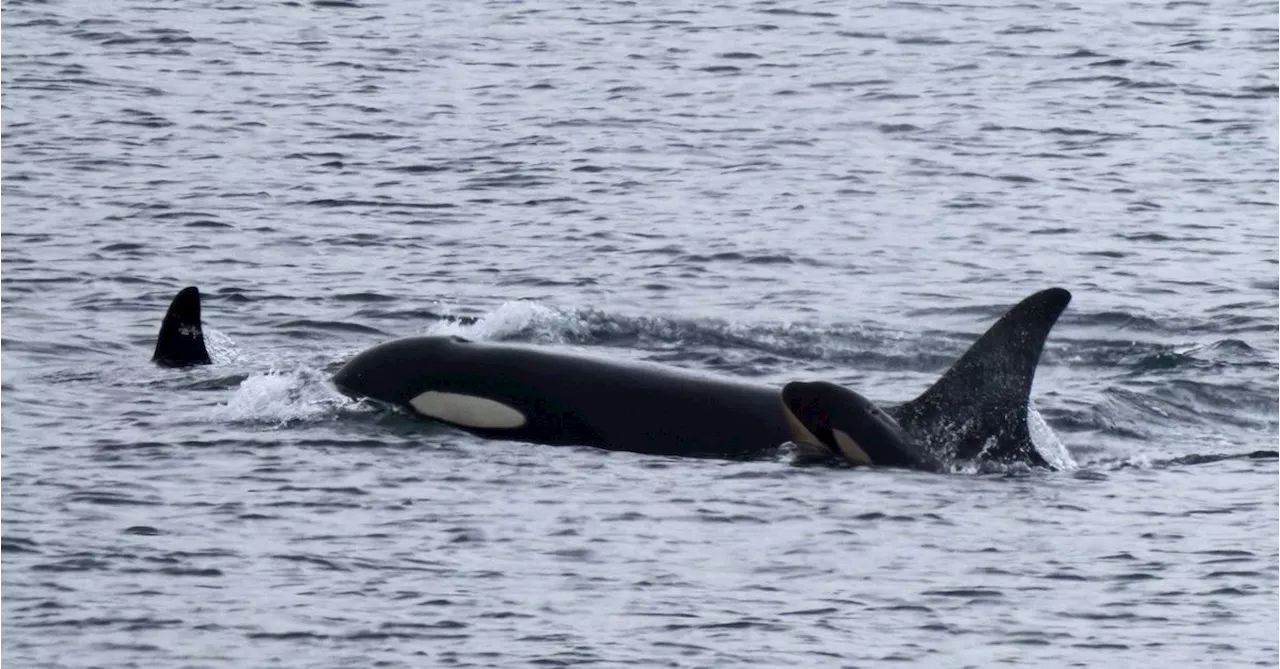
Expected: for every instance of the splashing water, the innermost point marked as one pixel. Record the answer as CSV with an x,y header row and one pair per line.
x,y
533,320
1050,447
222,349
281,398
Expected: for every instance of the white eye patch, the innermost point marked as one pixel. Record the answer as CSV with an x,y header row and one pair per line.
x,y
467,410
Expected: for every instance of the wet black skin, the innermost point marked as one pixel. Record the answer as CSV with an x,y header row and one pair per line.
x,y
976,410
823,408
181,341
570,398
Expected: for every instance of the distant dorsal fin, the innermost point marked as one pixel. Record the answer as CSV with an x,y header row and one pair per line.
x,y
979,406
181,341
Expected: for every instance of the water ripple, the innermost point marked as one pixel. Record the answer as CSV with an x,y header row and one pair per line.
x,y
773,191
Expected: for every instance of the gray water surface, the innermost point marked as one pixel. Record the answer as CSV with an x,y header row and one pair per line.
x,y
771,191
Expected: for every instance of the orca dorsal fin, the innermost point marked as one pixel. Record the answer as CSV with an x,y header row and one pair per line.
x,y
181,341
979,406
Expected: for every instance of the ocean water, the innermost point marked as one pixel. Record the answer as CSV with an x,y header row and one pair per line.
x,y
766,190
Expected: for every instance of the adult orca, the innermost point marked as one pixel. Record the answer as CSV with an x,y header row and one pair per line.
x,y
976,411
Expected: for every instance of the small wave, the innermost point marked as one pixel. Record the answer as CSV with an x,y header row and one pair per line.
x,y
1118,319
130,625
785,11
367,296
56,352
221,382
415,315
18,545
332,326
108,498
332,202
1185,402
1142,358
1145,461
757,259
1205,458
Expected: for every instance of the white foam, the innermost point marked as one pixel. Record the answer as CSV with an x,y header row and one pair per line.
x,y
1045,441
221,348
544,323
1139,461
280,397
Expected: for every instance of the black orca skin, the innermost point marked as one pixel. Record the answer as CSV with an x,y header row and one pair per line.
x,y
976,410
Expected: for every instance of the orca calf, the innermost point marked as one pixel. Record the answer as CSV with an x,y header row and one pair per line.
x,y
977,410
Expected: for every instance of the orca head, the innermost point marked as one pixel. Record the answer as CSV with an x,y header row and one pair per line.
x,y
181,340
395,372
421,374
850,426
